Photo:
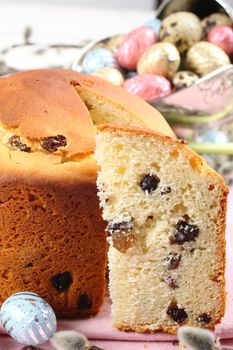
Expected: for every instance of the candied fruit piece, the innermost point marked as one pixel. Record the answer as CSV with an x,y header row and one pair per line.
x,y
177,314
53,143
96,348
61,281
204,318
84,302
122,235
149,183
16,143
122,241
185,233
173,260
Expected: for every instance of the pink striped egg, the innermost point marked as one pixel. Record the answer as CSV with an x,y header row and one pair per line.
x,y
149,86
134,45
28,318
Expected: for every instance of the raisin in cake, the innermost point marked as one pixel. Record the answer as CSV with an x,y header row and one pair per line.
x,y
52,236
165,209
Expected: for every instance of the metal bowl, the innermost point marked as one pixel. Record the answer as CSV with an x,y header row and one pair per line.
x,y
202,113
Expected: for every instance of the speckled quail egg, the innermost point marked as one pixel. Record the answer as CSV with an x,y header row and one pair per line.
x,y
161,58
182,29
184,79
203,57
214,20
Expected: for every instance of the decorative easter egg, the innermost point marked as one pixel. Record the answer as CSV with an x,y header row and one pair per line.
x,y
149,87
28,318
182,29
114,43
184,79
214,136
214,20
204,57
134,45
110,74
155,24
98,58
160,58
222,36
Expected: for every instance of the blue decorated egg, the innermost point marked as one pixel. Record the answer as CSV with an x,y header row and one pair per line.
x,y
155,24
214,136
28,318
98,58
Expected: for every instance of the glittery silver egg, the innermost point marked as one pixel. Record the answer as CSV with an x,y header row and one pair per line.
x,y
28,318
184,79
214,20
182,29
112,75
160,58
203,58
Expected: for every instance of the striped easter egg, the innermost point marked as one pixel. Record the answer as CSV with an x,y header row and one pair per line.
x,y
28,318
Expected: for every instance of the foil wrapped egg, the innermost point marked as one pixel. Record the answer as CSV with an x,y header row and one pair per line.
x,y
149,86
161,58
98,58
112,75
183,79
114,43
134,45
28,318
222,36
182,29
214,20
204,57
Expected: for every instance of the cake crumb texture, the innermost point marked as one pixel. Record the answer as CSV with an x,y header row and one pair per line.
x,y
164,199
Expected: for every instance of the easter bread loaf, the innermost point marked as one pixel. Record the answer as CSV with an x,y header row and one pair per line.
x,y
165,209
52,236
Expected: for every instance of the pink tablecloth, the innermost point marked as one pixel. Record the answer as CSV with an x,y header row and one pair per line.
x,y
98,329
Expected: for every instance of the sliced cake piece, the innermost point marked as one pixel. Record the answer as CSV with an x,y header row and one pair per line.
x,y
165,209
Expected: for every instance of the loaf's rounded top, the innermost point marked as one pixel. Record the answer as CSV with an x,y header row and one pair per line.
x,y
45,106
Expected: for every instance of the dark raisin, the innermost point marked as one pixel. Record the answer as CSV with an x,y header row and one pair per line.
x,y
181,76
173,24
29,265
16,143
119,226
171,282
205,318
96,348
173,260
84,302
61,281
53,143
150,217
149,183
178,315
165,190
185,233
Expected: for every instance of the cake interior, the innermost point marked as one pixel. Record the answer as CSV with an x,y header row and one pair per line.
x,y
159,276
